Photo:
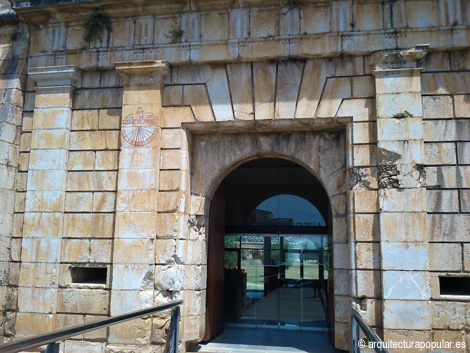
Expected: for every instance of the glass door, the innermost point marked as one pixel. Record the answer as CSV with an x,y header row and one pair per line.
x,y
275,281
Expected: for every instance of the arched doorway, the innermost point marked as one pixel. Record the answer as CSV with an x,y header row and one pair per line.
x,y
269,250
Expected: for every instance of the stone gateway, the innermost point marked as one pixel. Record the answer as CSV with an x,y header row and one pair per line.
x,y
271,163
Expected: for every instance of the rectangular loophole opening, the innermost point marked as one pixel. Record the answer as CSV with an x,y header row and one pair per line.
x,y
93,275
454,285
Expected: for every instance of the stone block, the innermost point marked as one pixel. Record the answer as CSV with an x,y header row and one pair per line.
x,y
441,177
170,201
49,139
37,300
364,155
445,257
172,96
440,153
133,277
368,283
342,282
195,277
85,120
144,30
137,251
449,227
402,200
241,89
50,201
175,116
83,225
94,140
137,179
174,159
263,23
465,200
462,106
81,160
120,33
365,201
135,225
38,275
442,201
174,139
364,132
169,180
366,227
165,251
25,144
458,339
358,109
367,256
169,278
23,162
90,79
415,336
28,324
466,257
46,180
48,159
264,76
168,225
289,75
406,285
398,81
103,98
136,200
197,97
124,301
83,301
109,119
91,181
100,251
463,151
106,160
341,256
104,201
85,347
78,202
409,315
335,90
143,157
57,97
342,305
40,249
315,19
438,107
390,105
76,250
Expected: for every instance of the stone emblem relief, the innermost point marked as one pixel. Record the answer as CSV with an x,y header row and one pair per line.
x,y
139,129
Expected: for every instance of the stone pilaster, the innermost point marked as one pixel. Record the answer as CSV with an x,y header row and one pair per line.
x,y
403,236
137,194
45,198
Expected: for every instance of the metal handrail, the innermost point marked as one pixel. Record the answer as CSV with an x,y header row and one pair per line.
x,y
358,323
60,335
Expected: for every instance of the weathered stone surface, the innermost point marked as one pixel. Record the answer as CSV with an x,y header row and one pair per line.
x,y
445,257
87,301
406,285
410,315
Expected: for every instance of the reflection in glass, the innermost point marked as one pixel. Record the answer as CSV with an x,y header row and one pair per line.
x,y
276,281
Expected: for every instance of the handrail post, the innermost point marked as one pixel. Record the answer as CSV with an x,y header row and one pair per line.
x,y
355,334
174,330
52,348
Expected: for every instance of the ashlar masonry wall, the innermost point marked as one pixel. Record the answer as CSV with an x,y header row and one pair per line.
x,y
79,194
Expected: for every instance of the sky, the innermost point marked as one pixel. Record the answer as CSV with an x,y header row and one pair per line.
x,y
289,206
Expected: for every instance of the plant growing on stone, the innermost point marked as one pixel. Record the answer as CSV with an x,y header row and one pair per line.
x,y
175,34
94,26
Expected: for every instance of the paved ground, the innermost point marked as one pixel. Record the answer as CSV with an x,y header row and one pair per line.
x,y
259,340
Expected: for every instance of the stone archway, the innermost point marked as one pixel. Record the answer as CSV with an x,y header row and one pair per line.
x,y
322,154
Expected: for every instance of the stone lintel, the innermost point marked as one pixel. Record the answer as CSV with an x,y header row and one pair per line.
x,y
51,76
142,72
401,59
